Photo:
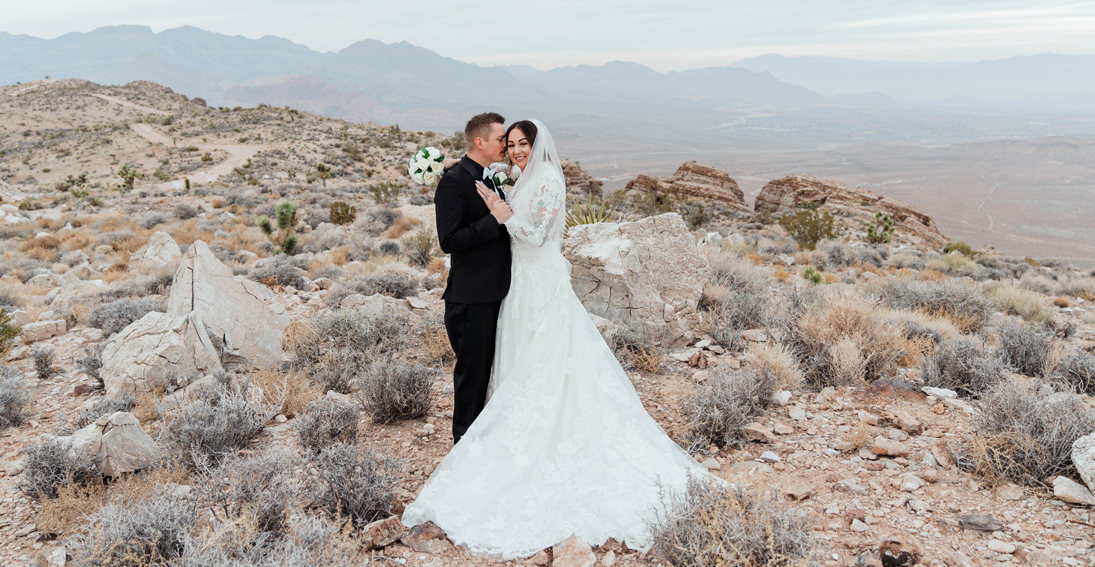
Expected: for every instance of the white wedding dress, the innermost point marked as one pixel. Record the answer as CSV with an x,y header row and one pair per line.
x,y
564,445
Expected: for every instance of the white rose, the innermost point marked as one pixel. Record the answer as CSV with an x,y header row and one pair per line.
x,y
433,153
435,167
418,178
500,178
430,178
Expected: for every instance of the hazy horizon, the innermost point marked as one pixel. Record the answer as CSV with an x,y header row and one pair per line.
x,y
662,35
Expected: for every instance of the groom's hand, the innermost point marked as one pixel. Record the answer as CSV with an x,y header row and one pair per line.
x,y
501,211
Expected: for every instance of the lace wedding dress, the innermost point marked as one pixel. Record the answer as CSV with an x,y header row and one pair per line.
x,y
564,445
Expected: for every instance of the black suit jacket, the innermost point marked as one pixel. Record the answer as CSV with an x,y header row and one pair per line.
x,y
477,244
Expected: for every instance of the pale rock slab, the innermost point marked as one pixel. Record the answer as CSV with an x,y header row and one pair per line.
x,y
139,358
119,441
1068,490
1083,457
160,251
40,331
649,272
573,552
240,312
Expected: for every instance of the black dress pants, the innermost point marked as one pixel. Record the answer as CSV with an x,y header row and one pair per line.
x,y
471,328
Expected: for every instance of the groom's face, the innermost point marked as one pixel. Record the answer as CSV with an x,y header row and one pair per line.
x,y
494,147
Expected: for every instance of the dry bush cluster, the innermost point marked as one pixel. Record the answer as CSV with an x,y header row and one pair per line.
x,y
709,523
325,421
718,411
739,297
634,346
392,390
965,305
14,398
964,364
220,418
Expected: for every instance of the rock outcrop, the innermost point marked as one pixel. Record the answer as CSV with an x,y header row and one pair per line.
x,y
578,181
647,272
160,250
856,207
143,356
241,313
119,442
693,179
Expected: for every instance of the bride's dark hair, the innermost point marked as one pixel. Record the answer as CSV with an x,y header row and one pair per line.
x,y
525,126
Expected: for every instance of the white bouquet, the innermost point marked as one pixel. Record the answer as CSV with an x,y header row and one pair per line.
x,y
425,166
501,170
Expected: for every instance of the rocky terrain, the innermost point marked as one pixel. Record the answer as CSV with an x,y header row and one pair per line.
x,y
166,370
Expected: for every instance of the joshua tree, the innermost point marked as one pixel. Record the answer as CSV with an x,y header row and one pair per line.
x,y
283,237
128,175
882,231
323,172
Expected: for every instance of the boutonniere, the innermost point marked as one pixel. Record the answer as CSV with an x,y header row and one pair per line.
x,y
501,179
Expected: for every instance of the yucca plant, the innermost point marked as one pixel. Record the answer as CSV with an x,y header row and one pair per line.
x,y
590,213
283,236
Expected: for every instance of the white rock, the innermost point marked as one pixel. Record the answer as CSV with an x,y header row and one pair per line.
x,y
138,358
240,312
941,393
782,397
125,446
858,526
1068,490
1083,457
769,457
158,252
40,331
630,271
1001,546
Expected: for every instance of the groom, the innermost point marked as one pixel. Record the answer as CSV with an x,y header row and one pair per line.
x,y
478,244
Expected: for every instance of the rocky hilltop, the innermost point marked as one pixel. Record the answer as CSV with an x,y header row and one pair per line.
x,y
855,208
693,179
222,338
579,182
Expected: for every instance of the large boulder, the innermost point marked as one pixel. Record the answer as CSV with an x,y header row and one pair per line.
x,y
694,179
160,251
853,208
144,355
241,313
648,272
119,441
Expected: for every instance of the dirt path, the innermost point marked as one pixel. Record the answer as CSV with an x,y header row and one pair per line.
x,y
128,104
238,154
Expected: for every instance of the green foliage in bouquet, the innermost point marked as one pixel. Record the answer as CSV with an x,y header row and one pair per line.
x,y
882,231
283,236
808,227
343,213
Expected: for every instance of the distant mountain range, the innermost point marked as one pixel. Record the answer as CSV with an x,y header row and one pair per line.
x,y
1046,82
417,88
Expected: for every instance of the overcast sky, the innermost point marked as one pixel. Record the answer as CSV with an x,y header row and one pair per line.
x,y
665,35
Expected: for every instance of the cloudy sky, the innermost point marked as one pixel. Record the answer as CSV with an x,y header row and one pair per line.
x,y
665,35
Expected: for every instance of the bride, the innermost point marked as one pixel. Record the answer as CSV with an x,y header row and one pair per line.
x,y
564,445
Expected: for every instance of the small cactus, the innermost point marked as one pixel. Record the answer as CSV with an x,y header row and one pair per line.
x,y
282,236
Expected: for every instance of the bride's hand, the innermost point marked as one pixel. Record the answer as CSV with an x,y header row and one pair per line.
x,y
489,197
449,163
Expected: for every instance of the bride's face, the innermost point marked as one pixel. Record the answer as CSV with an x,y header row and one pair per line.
x,y
519,148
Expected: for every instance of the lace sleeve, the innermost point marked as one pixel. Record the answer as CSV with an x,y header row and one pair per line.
x,y
535,224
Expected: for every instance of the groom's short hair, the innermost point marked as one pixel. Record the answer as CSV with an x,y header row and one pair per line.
x,y
479,127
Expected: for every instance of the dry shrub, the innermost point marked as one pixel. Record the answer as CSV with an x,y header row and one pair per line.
x,y
434,341
14,398
776,360
862,435
151,531
401,226
1015,300
1082,287
146,408
965,365
1077,371
1026,348
718,411
45,242
325,421
845,338
259,487
48,466
288,391
217,202
739,294
355,483
75,502
1062,301
712,523
1025,432
635,348
220,418
395,391
965,305
437,266
781,274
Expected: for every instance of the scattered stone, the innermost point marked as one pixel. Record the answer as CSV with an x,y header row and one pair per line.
x,y
573,552
539,558
1068,490
41,330
782,397
1009,492
884,446
383,533
853,486
909,424
798,491
427,538
957,559
783,429
755,335
858,526
797,414
941,393
417,303
900,552
609,559
769,457
759,433
868,417
711,464
1001,546
979,523
158,252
